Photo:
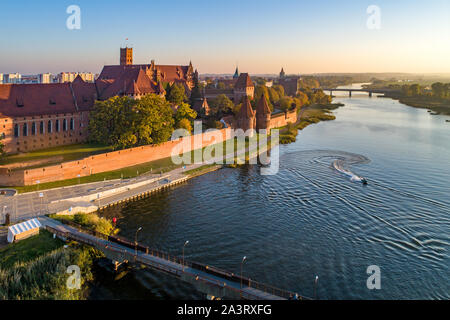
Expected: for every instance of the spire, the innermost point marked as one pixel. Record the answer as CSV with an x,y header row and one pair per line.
x,y
263,108
246,111
236,73
282,73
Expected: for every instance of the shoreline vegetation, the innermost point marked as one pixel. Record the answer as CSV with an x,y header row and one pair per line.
x,y
35,269
434,97
312,114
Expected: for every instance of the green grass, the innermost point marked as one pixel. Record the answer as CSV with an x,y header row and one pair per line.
x,y
199,169
28,249
157,166
64,153
89,221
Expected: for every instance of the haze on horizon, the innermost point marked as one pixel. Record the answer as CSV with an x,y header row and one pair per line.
x,y
259,36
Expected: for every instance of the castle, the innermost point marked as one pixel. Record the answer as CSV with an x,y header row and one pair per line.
x,y
38,116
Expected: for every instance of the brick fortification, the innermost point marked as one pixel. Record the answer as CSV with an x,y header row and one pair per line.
x,y
107,161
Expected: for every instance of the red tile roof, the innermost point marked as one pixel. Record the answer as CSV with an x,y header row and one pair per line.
x,y
20,100
243,81
246,111
263,107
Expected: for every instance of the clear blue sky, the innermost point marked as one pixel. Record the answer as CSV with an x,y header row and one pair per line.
x,y
260,36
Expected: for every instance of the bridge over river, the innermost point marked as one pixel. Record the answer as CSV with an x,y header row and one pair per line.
x,y
350,90
207,279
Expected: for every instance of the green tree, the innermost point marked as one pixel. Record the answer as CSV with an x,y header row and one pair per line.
x,y
185,124
184,111
221,105
176,94
123,122
279,89
285,103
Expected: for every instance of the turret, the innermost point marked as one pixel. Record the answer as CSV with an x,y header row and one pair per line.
x,y
263,114
246,116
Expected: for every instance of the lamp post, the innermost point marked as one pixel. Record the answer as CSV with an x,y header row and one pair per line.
x,y
135,242
315,287
242,266
185,244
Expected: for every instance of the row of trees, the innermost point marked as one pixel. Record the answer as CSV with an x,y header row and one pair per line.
x,y
439,90
123,122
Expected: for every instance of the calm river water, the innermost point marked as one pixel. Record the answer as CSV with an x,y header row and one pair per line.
x,y
311,220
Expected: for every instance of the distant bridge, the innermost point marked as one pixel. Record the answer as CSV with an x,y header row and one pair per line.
x,y
207,279
369,91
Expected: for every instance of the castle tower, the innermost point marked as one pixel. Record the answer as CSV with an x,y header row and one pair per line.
x,y
282,73
126,56
263,114
246,116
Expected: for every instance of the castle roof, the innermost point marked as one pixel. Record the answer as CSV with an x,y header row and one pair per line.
x,y
246,111
236,73
243,81
263,107
20,100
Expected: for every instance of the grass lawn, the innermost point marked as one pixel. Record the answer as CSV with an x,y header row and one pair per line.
x,y
60,154
157,166
28,249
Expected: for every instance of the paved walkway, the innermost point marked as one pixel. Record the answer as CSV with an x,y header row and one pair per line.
x,y
160,263
34,204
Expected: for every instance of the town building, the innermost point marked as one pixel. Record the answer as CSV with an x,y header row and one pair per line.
x,y
12,78
289,83
71,76
235,89
45,78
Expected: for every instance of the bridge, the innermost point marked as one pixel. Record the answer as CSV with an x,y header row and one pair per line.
x,y
369,91
206,279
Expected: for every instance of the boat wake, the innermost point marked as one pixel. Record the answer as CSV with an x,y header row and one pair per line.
x,y
339,165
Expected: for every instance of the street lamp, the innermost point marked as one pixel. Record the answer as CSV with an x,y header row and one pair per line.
x,y
135,241
242,266
185,244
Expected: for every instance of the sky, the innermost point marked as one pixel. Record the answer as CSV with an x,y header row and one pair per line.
x,y
260,36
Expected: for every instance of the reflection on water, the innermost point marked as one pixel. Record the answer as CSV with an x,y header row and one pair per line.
x,y
310,219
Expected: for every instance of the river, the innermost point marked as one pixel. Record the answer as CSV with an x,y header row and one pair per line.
x,y
310,219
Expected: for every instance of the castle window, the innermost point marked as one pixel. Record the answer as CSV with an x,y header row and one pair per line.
x,y
20,103
72,124
33,128
49,126
52,101
16,130
25,129
64,124
57,125
41,127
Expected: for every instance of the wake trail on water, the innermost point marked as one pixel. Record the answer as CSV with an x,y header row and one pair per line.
x,y
339,165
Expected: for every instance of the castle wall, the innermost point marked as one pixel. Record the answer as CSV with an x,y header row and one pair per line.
x,y
282,119
105,162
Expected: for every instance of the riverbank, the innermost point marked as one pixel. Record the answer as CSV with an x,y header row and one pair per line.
x,y
437,107
308,115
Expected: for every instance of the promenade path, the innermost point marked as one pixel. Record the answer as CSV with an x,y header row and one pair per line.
x,y
39,203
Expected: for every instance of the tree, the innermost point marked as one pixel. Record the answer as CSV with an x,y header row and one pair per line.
x,y
301,99
438,89
221,105
279,89
285,103
416,90
176,94
185,124
123,122
184,111
196,90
